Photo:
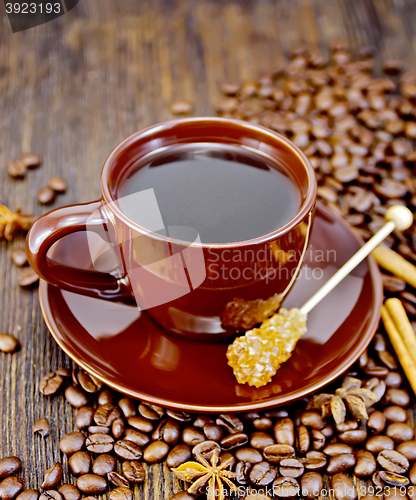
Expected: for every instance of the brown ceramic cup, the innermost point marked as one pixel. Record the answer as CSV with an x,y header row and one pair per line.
x,y
177,281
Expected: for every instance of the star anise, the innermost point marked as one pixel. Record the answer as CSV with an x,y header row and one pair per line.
x,y
350,395
210,475
13,222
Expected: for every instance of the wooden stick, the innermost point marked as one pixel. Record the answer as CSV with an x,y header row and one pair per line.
x,y
403,325
395,263
406,361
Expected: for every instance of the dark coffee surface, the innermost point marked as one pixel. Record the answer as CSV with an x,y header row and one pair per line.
x,y
225,194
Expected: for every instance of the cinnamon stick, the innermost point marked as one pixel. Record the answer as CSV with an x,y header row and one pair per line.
x,y
403,325
395,263
406,361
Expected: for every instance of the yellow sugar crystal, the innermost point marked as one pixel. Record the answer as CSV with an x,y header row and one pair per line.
x,y
256,356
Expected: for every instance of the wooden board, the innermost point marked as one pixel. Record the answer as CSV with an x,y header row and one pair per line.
x,y
72,89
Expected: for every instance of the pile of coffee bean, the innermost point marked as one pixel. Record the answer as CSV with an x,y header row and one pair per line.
x,y
290,450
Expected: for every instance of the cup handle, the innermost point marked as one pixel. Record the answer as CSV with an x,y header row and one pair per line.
x,y
59,223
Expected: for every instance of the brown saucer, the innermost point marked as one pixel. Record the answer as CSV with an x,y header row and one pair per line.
x,y
129,352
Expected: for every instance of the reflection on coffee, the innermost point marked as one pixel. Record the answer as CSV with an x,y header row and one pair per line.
x,y
226,193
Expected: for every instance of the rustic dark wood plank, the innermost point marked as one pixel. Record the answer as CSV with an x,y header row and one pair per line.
x,y
74,88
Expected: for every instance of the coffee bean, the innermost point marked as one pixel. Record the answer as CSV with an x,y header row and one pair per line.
x,y
207,448
72,442
284,431
392,284
334,449
169,431
137,437
393,461
393,479
376,385
378,483
398,397
178,455
64,372
16,169
318,439
79,463
213,432
347,425
52,476
180,416
134,471
249,455
8,343
151,412
106,414
121,493
231,423
117,428
50,495
98,429
314,462
29,495
412,474
127,407
181,107
75,397
260,440
276,452
117,479
311,484
242,470
376,422
303,439
201,420
395,414
127,450
387,359
30,160
41,427
400,432
140,423
99,443
291,467
88,382
340,463
262,474
46,196
58,184
192,436
91,483
353,437
103,464
285,487
313,419
408,449
9,466
233,441
69,492
343,487
10,487
18,256
155,452
366,464
375,444
105,397
262,423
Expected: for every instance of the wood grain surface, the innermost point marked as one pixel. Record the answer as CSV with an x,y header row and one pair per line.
x,y
72,89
